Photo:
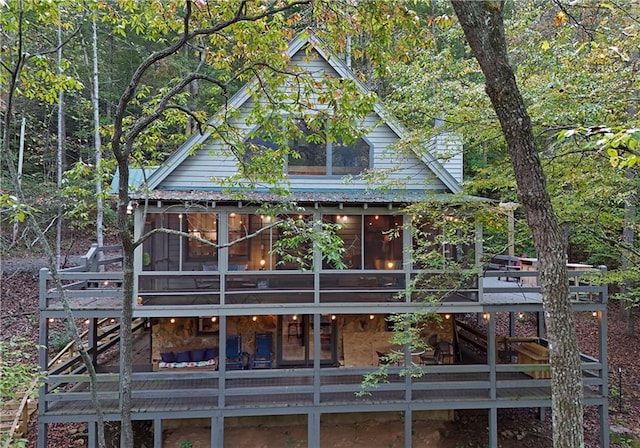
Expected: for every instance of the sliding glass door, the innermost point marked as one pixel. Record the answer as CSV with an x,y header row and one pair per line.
x,y
296,338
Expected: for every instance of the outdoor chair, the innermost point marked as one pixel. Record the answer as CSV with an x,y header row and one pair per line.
x,y
430,357
263,356
235,356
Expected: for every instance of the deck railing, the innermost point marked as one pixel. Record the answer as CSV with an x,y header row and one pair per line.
x,y
193,391
97,283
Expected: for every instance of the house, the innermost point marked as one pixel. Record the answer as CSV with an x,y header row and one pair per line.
x,y
236,331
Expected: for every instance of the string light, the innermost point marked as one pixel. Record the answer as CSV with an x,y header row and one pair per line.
x,y
254,318
447,316
371,316
173,320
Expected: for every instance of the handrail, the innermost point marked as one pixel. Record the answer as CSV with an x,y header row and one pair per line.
x,y
75,362
239,385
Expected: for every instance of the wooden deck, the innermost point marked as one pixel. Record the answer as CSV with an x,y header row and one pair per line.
x,y
198,393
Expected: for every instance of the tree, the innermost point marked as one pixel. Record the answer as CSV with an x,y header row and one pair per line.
x,y
484,29
18,76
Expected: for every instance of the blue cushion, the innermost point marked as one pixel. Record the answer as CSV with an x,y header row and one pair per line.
x,y
211,353
198,354
168,357
183,357
209,267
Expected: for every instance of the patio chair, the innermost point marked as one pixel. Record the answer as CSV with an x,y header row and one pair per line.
x,y
263,356
430,357
235,356
445,352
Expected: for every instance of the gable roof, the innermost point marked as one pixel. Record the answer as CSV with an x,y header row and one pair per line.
x,y
300,42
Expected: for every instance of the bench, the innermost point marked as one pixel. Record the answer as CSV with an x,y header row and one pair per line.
x,y
196,359
532,353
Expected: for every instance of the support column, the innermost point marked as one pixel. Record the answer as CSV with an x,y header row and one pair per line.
x,y
491,356
603,417
43,435
217,432
43,347
92,440
603,410
316,359
493,427
157,433
313,428
222,361
408,422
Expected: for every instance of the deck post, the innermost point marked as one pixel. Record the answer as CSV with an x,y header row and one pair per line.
x,y
491,356
603,416
91,434
408,422
604,372
41,441
313,428
157,433
217,432
493,427
222,363
316,360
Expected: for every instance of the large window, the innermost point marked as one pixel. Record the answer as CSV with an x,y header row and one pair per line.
x,y
204,226
383,242
370,241
320,156
316,155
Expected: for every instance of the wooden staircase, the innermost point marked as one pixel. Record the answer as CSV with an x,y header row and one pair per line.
x,y
15,414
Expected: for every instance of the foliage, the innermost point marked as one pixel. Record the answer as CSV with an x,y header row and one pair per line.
x,y
444,250
19,369
301,237
81,198
60,339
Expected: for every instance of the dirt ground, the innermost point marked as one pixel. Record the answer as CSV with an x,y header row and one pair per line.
x,y
468,430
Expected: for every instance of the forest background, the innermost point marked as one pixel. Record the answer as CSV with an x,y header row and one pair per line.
x,y
576,64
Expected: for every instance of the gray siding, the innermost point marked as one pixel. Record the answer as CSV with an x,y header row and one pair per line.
x,y
402,168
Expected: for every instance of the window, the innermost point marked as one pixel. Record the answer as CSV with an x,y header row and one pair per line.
x,y
321,157
312,149
316,155
205,226
349,158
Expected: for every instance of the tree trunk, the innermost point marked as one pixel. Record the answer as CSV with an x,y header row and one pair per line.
x,y
484,29
96,138
60,155
628,238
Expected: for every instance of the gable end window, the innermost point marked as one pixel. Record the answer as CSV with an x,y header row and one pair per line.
x,y
321,157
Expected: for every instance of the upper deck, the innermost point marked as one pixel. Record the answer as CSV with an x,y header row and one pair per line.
x,y
95,289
